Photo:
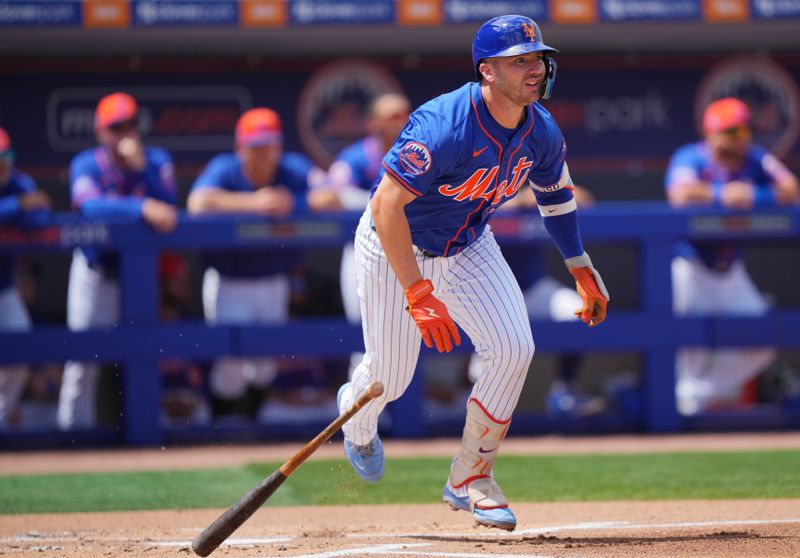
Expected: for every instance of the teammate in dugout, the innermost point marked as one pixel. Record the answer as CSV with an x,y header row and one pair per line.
x,y
350,180
21,202
710,278
258,179
119,179
424,251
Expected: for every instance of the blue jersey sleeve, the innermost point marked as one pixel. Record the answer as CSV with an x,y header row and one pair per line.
x,y
424,150
293,172
552,187
87,194
349,168
684,166
160,177
217,173
83,179
551,150
9,208
20,183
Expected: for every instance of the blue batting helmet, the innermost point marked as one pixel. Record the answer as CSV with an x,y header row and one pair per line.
x,y
506,36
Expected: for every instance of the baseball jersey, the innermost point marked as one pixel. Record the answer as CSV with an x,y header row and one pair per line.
x,y
101,190
225,171
694,162
11,214
359,164
462,165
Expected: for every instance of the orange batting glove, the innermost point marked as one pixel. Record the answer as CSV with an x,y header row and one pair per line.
x,y
591,288
431,316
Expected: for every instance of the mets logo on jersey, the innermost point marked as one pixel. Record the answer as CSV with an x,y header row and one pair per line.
x,y
484,184
530,31
415,158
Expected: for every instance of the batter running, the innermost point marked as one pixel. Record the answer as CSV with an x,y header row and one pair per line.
x,y
426,258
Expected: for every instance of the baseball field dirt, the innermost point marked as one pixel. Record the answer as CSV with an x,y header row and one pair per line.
x,y
686,528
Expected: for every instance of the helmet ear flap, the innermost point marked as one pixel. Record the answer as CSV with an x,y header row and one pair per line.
x,y
550,70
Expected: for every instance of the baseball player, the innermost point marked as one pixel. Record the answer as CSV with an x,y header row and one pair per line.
x,y
350,179
425,252
20,203
710,278
119,179
259,178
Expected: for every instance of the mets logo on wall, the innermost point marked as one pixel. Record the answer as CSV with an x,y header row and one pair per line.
x,y
415,158
769,91
332,110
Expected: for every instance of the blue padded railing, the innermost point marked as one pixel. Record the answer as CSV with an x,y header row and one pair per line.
x,y
140,340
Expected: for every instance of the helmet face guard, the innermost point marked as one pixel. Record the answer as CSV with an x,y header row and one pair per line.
x,y
511,35
550,70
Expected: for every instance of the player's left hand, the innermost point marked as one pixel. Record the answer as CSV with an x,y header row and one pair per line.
x,y
591,288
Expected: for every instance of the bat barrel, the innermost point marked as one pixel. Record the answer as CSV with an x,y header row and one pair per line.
x,y
206,542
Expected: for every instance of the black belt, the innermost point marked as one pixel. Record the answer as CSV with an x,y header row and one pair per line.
x,y
428,253
425,253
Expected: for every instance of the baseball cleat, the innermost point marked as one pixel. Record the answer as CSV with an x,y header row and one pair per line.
x,y
367,460
455,502
498,518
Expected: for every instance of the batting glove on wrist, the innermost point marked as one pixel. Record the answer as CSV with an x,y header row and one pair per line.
x,y
431,317
591,288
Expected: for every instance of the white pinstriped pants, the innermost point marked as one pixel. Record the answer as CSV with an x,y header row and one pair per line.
x,y
483,298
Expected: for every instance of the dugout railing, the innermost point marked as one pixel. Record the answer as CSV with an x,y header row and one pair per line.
x,y
141,340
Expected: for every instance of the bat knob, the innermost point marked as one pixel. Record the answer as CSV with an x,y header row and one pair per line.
x,y
375,389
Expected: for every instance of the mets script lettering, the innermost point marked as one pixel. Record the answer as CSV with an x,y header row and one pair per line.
x,y
479,185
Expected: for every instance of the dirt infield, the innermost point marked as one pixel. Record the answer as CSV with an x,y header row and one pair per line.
x,y
680,529
721,529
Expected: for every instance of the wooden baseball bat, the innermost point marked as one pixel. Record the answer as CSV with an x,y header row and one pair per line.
x,y
206,542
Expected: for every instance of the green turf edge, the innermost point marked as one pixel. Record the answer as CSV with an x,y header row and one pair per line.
x,y
673,476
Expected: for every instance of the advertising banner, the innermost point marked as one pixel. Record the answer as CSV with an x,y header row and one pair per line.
x,y
615,114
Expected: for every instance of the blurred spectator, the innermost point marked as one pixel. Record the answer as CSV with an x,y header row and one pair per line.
x,y
709,278
302,391
183,400
350,179
119,179
20,205
546,298
258,179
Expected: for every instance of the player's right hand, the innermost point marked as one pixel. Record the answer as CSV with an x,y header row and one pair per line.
x,y
431,317
162,216
273,201
738,195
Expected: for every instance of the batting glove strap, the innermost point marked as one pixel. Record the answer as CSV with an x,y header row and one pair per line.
x,y
585,261
418,291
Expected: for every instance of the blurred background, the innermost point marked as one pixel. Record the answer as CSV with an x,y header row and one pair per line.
x,y
634,77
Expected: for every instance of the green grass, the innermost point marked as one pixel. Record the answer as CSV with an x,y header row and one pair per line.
x,y
769,474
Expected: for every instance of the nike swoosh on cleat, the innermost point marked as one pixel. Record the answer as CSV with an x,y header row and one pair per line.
x,y
479,151
480,449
